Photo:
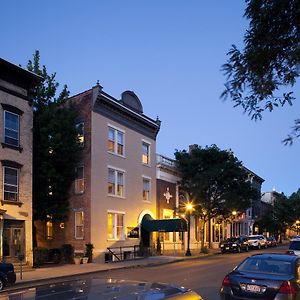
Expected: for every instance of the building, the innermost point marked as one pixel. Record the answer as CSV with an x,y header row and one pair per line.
x,y
115,180
168,202
16,117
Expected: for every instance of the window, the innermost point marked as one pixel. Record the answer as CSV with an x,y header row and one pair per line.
x,y
79,180
11,188
115,182
115,141
49,230
79,218
80,133
115,226
146,189
146,153
11,128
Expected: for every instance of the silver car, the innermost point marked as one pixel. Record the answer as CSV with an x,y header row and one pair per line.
x,y
257,241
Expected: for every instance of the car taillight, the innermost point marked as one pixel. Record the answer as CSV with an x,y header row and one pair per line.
x,y
287,288
226,281
291,252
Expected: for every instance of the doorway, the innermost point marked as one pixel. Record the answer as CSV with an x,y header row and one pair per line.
x,y
13,239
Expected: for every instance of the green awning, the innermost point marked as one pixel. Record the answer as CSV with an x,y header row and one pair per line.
x,y
164,225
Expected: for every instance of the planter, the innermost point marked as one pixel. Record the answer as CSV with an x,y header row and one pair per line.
x,y
77,260
85,260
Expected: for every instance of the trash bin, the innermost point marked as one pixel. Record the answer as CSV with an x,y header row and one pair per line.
x,y
107,257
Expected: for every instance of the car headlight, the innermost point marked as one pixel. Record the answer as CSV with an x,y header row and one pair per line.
x,y
234,245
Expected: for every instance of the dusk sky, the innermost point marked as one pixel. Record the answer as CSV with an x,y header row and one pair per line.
x,y
170,54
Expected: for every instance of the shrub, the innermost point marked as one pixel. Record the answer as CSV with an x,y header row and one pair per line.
x,y
67,251
40,256
54,255
204,250
89,251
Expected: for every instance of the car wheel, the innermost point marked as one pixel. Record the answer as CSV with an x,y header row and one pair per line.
x,y
238,249
258,247
223,251
247,249
266,246
1,284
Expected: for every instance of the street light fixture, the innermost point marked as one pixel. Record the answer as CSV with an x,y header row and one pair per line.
x,y
297,226
188,208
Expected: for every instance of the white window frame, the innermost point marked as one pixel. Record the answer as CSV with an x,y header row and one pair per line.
x,y
18,131
144,142
77,226
146,178
116,172
114,236
78,180
116,131
7,184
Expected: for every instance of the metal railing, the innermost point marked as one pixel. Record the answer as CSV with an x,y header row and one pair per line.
x,y
126,253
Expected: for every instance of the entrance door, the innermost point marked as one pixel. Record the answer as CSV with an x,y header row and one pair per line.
x,y
13,242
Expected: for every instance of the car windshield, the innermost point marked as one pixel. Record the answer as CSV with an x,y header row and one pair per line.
x,y
253,237
295,245
231,240
265,265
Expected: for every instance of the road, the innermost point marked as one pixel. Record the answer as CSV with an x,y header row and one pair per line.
x,y
203,275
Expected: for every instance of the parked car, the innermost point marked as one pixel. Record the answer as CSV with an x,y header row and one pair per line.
x,y
105,289
294,247
257,241
263,276
271,241
7,275
234,244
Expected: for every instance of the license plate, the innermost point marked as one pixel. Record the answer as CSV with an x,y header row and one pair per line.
x,y
253,288
227,248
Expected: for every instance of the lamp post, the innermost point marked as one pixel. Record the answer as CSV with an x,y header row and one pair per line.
x,y
188,208
233,218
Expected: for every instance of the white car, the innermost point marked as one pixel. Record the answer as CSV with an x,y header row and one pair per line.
x,y
294,247
257,241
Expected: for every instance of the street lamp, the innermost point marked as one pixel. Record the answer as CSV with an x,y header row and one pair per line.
x,y
188,208
297,226
234,213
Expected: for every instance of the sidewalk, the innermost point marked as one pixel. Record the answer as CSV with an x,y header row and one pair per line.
x,y
39,275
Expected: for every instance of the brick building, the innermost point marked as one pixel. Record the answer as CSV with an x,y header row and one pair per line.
x,y
16,161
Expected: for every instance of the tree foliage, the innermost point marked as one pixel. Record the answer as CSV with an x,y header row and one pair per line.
x,y
55,147
215,181
269,61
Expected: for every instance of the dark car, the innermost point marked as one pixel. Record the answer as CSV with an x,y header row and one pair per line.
x,y
264,277
7,275
104,289
271,241
234,244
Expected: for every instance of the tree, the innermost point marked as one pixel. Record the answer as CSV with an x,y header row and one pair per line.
x,y
269,61
55,147
215,181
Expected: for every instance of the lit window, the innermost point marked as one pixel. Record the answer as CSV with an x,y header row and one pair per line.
x,y
49,230
11,128
146,153
10,181
115,182
146,189
79,219
80,133
115,141
79,180
115,226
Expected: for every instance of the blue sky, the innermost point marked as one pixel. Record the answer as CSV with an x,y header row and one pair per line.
x,y
169,52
